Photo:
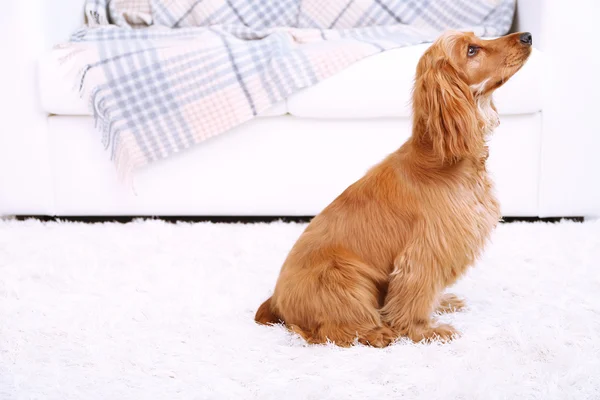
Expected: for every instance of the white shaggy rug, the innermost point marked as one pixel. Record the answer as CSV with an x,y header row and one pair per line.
x,y
152,310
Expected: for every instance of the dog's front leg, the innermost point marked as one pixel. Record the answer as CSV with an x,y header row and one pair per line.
x,y
413,293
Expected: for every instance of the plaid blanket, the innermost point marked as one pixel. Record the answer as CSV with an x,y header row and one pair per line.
x,y
163,75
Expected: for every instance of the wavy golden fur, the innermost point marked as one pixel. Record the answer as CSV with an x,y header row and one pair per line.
x,y
374,264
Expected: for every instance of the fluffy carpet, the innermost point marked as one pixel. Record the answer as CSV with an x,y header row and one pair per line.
x,y
152,310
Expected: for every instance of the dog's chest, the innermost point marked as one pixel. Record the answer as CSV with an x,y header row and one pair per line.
x,y
471,215
481,206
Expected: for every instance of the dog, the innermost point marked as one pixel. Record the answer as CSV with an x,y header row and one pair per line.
x,y
373,265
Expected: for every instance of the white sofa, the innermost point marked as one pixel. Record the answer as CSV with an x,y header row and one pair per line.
x,y
297,157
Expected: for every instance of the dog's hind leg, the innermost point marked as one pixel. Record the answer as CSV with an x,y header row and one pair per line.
x,y
337,302
347,335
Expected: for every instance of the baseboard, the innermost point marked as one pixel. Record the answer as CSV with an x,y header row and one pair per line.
x,y
237,219
538,219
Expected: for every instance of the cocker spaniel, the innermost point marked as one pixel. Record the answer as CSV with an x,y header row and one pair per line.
x,y
373,265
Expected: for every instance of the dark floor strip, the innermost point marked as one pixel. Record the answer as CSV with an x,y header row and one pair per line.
x,y
236,219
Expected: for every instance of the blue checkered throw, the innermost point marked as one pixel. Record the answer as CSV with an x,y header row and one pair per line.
x,y
163,75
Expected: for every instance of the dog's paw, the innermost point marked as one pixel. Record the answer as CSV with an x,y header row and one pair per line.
x,y
378,337
442,333
450,303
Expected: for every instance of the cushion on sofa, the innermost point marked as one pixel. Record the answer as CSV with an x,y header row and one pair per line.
x,y
378,86
381,86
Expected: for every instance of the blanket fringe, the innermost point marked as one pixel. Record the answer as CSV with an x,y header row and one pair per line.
x,y
122,152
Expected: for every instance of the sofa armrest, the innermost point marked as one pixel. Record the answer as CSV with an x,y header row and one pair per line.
x,y
570,165
26,30
61,19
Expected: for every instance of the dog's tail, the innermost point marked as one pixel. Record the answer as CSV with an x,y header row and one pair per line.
x,y
265,314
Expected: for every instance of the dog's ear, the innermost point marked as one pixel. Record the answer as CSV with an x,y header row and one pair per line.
x,y
446,111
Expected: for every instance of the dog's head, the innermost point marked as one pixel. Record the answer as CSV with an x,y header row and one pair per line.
x,y
454,82
483,65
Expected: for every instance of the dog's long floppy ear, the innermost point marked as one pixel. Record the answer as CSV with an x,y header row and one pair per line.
x,y
445,111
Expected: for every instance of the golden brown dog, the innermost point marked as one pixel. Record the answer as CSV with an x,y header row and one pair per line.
x,y
374,264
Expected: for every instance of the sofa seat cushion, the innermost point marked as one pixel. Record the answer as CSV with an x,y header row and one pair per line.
x,y
378,86
268,166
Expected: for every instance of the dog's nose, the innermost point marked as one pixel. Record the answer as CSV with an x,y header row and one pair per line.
x,y
525,38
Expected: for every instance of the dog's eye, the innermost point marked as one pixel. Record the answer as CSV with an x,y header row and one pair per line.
x,y
472,51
